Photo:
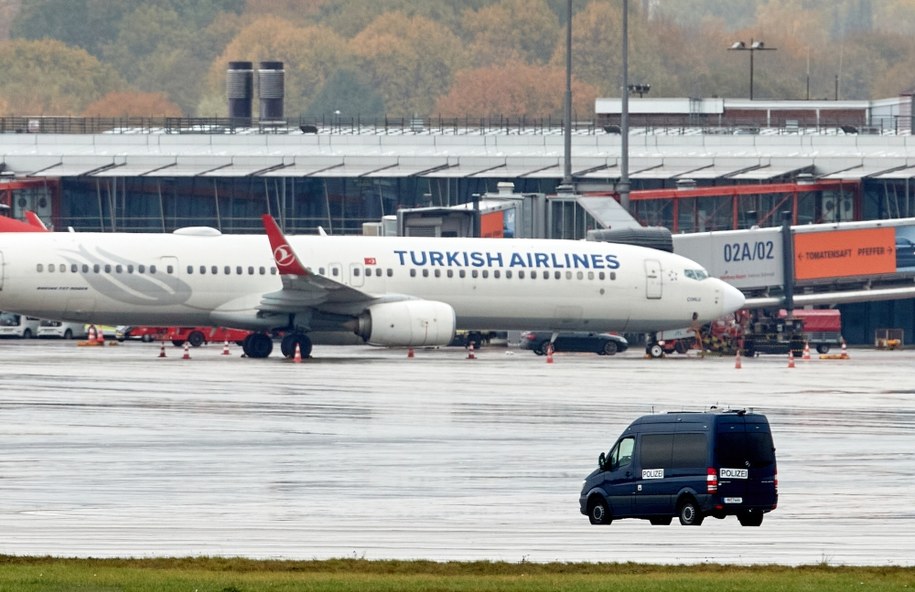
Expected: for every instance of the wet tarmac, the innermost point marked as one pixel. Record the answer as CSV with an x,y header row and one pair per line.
x,y
364,452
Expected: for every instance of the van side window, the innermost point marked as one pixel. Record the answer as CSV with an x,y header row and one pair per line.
x,y
655,450
621,455
690,451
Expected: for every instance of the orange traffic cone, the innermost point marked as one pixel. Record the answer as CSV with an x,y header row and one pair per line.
x,y
470,354
187,351
225,348
297,358
844,351
549,354
410,353
737,364
806,356
791,358
90,335
100,337
162,350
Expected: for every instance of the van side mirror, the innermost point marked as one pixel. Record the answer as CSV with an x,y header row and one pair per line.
x,y
601,460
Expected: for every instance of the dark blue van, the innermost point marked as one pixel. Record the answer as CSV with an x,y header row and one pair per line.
x,y
690,465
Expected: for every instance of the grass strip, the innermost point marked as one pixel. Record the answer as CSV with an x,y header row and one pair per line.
x,y
211,574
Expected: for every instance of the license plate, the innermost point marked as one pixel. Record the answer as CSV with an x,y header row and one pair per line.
x,y
733,500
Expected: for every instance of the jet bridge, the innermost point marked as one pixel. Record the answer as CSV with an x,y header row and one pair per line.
x,y
815,264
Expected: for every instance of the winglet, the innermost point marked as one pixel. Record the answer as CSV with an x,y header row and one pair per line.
x,y
286,260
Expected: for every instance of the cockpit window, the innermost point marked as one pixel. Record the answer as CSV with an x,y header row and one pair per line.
x,y
696,274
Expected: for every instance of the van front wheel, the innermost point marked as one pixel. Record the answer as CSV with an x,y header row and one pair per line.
x,y
598,512
689,513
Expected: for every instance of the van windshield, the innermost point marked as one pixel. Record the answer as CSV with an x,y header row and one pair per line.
x,y
743,449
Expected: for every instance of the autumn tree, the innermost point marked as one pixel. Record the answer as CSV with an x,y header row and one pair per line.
x,y
514,90
49,78
309,55
156,50
132,103
348,93
511,30
410,61
93,24
301,12
349,18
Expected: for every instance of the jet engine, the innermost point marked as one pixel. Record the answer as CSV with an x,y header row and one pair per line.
x,y
407,323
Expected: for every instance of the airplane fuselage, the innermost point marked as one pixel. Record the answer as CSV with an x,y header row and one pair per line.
x,y
199,279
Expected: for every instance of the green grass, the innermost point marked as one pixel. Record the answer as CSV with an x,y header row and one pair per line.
x,y
46,574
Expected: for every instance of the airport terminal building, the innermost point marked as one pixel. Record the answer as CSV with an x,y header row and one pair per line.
x,y
694,166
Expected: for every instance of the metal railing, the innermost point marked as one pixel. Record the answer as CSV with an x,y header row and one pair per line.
x,y
440,125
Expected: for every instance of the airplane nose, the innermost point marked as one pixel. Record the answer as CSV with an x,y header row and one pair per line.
x,y
732,299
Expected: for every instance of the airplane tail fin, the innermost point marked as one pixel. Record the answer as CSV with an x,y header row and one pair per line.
x,y
286,260
34,220
8,224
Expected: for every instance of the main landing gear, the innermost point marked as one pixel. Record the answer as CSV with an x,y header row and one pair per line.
x,y
257,345
260,345
287,346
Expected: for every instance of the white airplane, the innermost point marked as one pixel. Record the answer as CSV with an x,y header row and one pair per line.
x,y
389,291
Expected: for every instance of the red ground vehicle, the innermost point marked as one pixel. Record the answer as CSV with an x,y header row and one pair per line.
x,y
195,336
760,332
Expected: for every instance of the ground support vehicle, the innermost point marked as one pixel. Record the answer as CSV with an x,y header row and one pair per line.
x,y
194,336
781,333
686,465
889,338
759,332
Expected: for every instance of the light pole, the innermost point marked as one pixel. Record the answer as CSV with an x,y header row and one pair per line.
x,y
752,48
641,89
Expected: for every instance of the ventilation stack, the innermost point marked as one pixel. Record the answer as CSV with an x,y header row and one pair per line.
x,y
270,90
240,92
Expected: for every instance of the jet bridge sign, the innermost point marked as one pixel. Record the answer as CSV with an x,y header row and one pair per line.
x,y
844,253
743,258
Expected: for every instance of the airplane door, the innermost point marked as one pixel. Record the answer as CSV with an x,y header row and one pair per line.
x,y
356,272
652,279
168,267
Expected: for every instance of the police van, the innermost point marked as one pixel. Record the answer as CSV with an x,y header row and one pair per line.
x,y
690,465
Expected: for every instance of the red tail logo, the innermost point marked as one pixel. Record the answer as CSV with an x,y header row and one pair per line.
x,y
286,260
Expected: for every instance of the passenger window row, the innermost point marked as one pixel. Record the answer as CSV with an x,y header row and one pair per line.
x,y
98,268
227,270
334,271
520,274
151,269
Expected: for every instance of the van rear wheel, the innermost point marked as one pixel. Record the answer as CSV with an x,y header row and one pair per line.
x,y
689,513
598,512
750,518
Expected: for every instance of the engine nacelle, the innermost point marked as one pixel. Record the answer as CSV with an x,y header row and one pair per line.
x,y
407,323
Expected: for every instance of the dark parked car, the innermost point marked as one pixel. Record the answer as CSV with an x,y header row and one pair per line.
x,y
604,344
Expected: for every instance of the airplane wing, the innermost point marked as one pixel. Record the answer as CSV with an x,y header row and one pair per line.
x,y
302,288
